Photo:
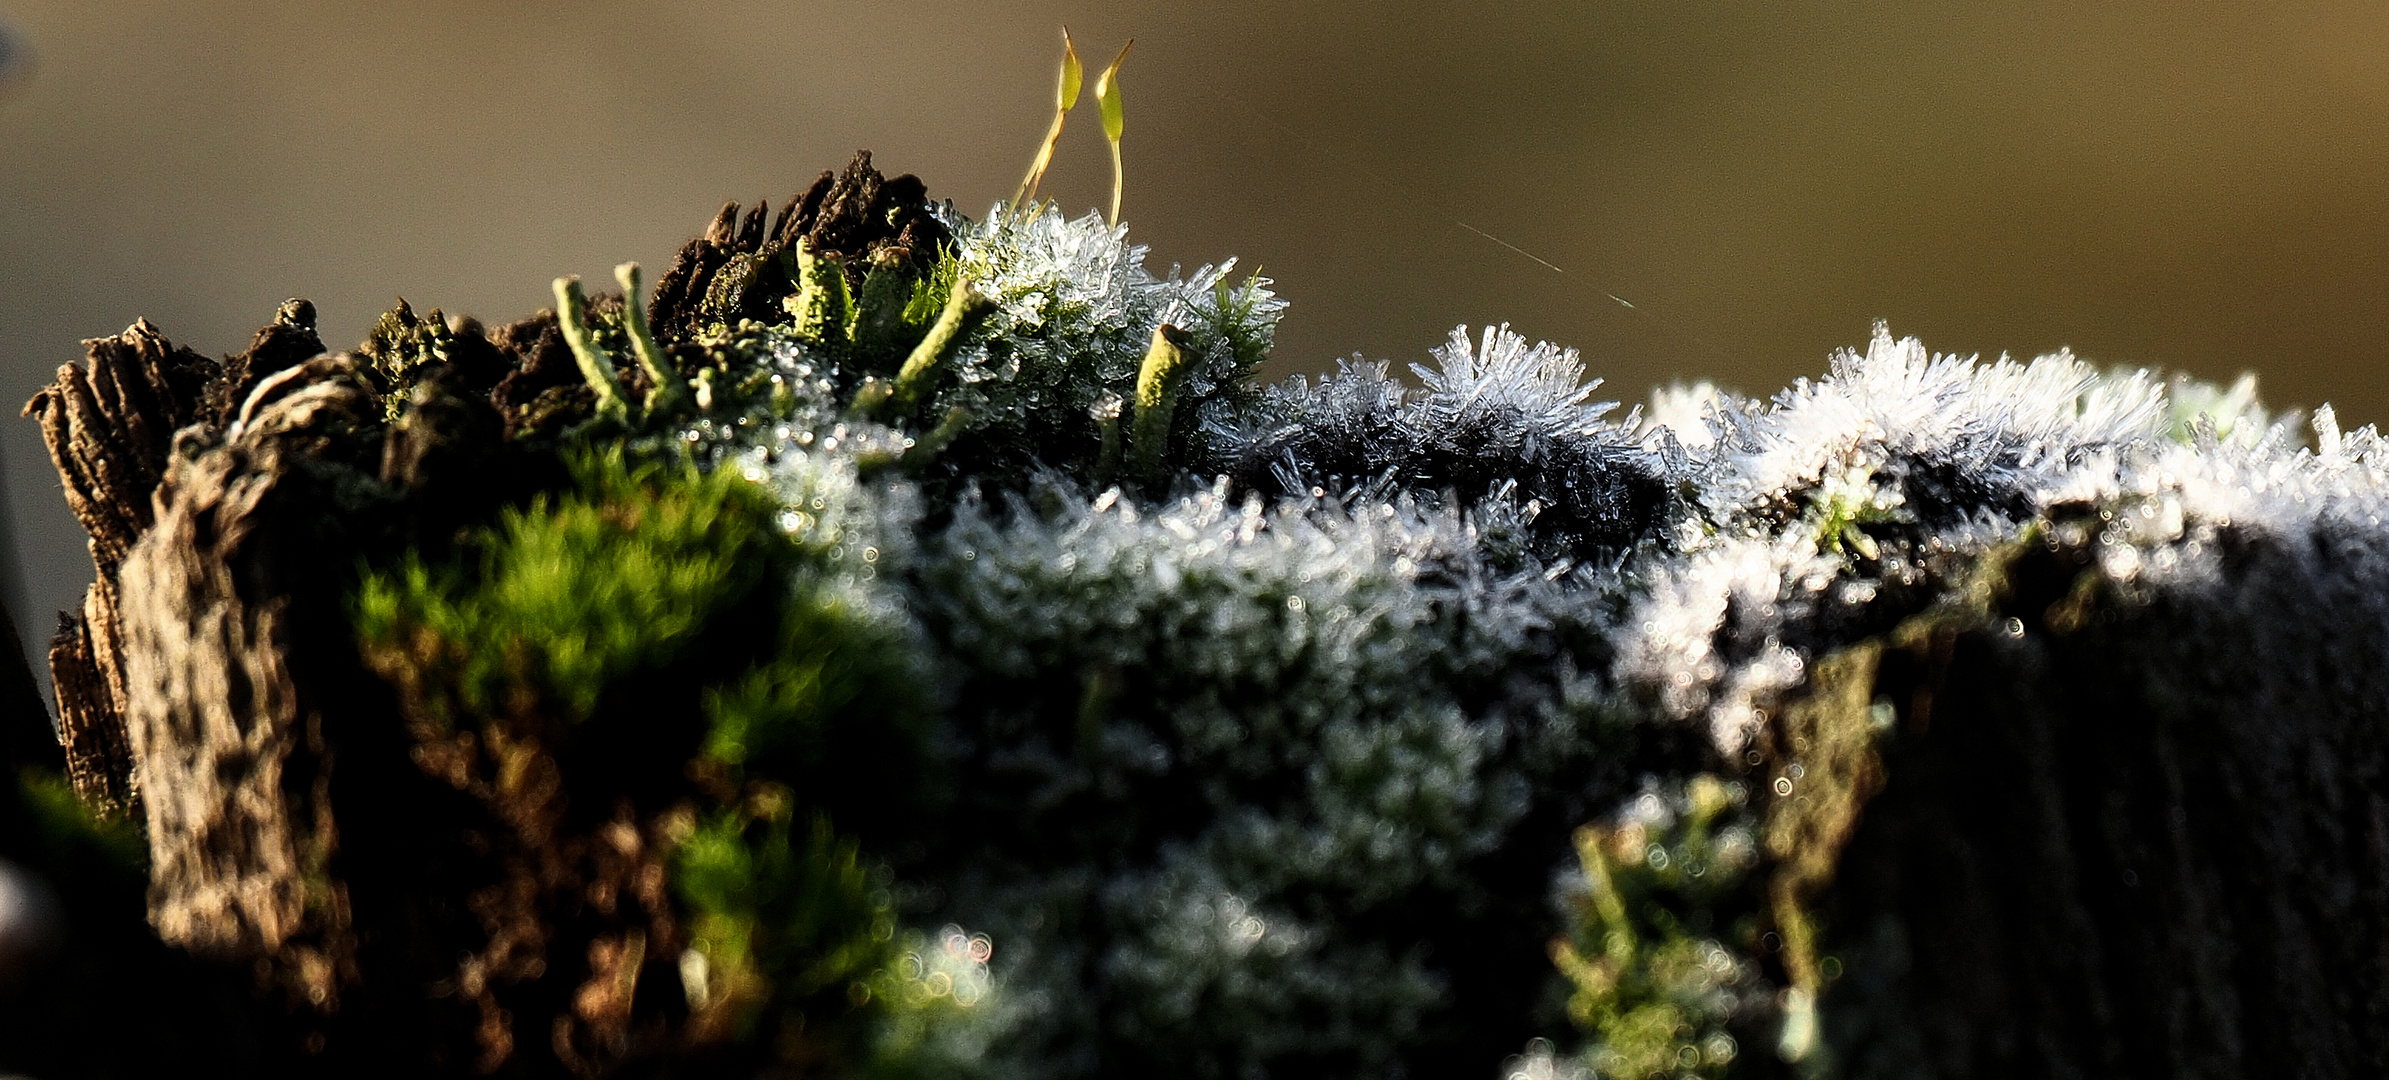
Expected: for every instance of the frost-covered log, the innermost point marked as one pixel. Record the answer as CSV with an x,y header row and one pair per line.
x,y
916,645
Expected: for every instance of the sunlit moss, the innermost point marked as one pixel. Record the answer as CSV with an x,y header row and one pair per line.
x,y
654,571
573,592
1656,986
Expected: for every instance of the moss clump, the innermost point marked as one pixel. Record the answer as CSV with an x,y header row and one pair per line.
x,y
1658,983
569,595
654,638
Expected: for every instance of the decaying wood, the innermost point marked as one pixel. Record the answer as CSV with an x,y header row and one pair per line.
x,y
110,431
2128,839
387,894
229,744
854,215
486,923
99,763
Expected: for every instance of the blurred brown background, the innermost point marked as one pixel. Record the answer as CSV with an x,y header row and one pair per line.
x,y
2199,186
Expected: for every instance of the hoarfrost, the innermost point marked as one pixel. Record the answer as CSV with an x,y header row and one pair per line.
x,y
1366,638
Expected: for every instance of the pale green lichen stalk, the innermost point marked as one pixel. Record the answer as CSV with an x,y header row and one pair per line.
x,y
670,392
965,308
572,319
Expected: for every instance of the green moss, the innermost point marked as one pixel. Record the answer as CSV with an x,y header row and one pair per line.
x,y
1843,506
896,310
73,834
637,571
672,606
794,939
1827,768
788,925
1653,985
829,659
1234,319
571,594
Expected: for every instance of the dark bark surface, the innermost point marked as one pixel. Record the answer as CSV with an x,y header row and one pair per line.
x,y
231,747
2127,837
854,215
109,430
330,881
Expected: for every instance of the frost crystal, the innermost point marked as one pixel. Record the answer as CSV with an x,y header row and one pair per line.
x,y
1075,309
1498,423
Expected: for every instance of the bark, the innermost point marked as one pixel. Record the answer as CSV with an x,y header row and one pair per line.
x,y
230,745
99,763
2128,835
853,215
109,430
354,889
294,815
389,895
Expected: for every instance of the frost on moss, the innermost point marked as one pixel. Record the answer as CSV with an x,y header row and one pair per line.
x,y
1652,950
1920,505
1254,731
889,569
1507,429
1206,742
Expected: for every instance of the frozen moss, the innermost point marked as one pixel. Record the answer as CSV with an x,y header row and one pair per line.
x,y
889,569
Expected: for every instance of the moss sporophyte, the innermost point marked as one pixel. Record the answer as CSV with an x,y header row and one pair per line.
x,y
886,569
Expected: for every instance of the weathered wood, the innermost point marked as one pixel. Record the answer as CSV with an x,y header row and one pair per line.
x,y
110,430
227,740
420,900
99,763
2128,837
854,215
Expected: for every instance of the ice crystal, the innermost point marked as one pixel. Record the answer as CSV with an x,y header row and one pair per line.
x,y
1198,739
2170,512
1497,421
1508,393
1954,436
1848,502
